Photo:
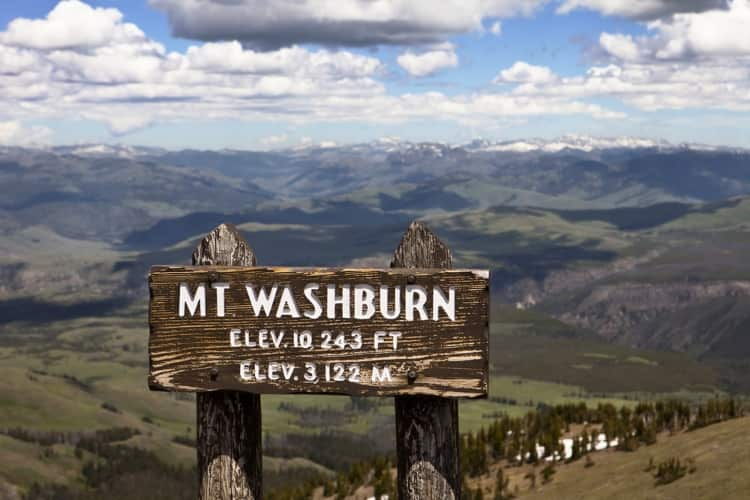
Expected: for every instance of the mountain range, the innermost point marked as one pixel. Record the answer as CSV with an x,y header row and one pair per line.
x,y
619,273
639,242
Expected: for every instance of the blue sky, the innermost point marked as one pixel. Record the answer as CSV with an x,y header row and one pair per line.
x,y
258,74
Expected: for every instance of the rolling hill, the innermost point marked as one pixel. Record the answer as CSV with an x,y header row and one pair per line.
x,y
619,274
720,453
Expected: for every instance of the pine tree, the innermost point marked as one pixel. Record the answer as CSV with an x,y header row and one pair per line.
x,y
576,449
501,486
670,470
649,434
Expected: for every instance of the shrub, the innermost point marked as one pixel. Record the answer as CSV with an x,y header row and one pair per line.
x,y
184,440
673,469
548,472
502,484
110,407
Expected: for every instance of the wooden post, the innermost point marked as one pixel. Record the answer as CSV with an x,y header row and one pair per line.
x,y
426,426
230,454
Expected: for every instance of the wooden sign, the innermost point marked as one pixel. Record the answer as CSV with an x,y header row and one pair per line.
x,y
343,331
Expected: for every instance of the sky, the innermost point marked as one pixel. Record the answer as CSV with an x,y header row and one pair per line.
x,y
266,74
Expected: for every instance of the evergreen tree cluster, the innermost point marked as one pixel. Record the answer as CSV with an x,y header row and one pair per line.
x,y
49,438
375,473
111,467
672,469
515,439
714,411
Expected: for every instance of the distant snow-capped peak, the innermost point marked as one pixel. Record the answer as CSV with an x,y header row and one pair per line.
x,y
575,142
106,150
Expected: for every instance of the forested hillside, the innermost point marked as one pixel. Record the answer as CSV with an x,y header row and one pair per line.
x,y
618,276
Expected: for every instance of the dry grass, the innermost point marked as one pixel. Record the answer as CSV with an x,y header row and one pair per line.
x,y
721,453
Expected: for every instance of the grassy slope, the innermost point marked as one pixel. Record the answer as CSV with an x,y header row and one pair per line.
x,y
703,241
532,345
489,237
109,357
721,453
58,268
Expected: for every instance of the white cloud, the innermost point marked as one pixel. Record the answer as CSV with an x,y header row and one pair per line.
x,y
70,24
718,33
270,24
230,57
480,107
496,28
690,61
123,123
131,82
708,35
651,87
426,63
274,140
522,72
620,46
13,133
111,72
641,9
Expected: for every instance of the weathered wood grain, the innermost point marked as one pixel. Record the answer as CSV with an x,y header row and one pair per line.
x,y
426,426
445,357
229,423
229,445
420,248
